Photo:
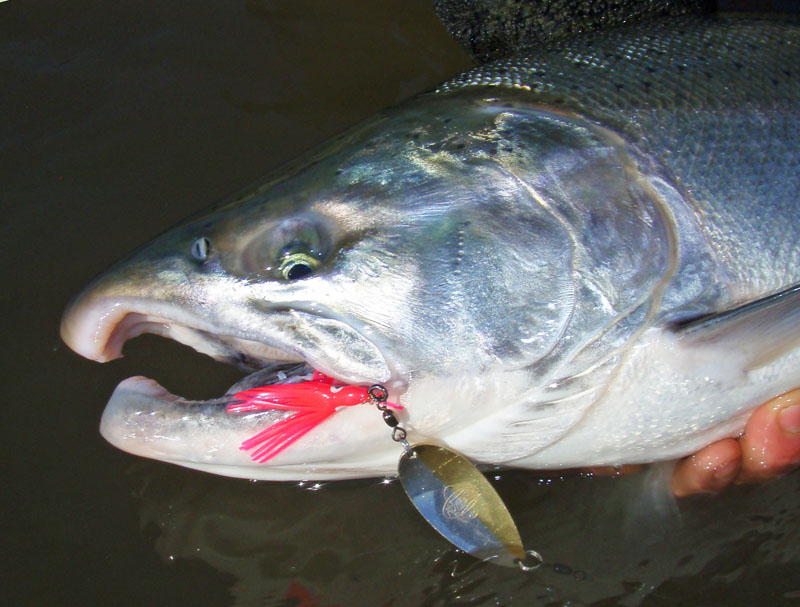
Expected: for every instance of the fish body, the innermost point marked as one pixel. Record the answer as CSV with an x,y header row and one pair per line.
x,y
584,254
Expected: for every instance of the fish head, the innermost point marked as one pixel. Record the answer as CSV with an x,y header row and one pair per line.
x,y
413,251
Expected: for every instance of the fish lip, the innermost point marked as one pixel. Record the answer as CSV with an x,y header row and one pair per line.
x,y
82,332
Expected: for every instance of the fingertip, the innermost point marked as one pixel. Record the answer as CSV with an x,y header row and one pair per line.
x,y
771,440
789,421
709,470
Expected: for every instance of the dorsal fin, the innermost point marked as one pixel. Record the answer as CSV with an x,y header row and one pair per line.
x,y
491,29
761,330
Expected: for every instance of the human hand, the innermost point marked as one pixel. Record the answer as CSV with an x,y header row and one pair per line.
x,y
769,446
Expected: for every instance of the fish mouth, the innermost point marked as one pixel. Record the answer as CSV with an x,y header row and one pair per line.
x,y
143,418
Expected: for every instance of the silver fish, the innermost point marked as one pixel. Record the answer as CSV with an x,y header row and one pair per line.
x,y
585,254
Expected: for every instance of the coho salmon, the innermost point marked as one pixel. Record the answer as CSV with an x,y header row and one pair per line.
x,y
584,254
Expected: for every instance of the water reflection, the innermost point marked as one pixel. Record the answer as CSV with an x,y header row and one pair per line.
x,y
362,543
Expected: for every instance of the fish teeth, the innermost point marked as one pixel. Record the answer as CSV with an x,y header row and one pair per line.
x,y
273,373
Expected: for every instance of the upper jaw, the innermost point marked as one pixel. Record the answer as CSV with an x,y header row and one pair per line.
x,y
96,325
97,329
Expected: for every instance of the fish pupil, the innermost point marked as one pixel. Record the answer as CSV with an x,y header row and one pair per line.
x,y
298,270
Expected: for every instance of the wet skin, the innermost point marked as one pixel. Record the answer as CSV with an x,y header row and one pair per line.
x,y
769,447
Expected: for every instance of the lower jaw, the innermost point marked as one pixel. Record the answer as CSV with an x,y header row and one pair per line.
x,y
145,419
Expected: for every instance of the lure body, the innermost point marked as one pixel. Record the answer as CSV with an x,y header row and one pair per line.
x,y
458,501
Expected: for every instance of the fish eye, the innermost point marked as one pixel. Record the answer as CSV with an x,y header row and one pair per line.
x,y
300,247
289,249
200,248
297,265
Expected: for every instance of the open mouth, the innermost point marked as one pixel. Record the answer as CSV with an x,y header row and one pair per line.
x,y
254,422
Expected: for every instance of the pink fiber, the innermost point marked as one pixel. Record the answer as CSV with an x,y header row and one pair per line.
x,y
312,401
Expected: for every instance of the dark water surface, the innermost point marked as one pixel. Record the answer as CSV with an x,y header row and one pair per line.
x,y
117,119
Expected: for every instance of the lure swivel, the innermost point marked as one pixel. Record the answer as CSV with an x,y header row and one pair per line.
x,y
379,395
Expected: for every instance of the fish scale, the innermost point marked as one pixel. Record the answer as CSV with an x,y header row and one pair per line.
x,y
664,85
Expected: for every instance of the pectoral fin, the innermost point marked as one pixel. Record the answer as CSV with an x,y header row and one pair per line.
x,y
537,419
761,330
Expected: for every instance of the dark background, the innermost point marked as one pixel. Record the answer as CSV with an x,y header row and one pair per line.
x,y
117,119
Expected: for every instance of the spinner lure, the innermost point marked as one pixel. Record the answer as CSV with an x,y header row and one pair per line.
x,y
445,487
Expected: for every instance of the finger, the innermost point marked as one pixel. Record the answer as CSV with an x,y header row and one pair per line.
x,y
709,470
771,440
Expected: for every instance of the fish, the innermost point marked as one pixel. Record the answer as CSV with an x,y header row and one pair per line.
x,y
584,254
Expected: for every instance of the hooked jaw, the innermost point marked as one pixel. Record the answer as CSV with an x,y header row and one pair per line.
x,y
97,329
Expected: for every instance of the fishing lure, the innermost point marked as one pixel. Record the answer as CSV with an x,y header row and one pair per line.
x,y
312,402
446,488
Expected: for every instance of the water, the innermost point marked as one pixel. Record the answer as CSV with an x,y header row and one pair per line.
x,y
118,119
